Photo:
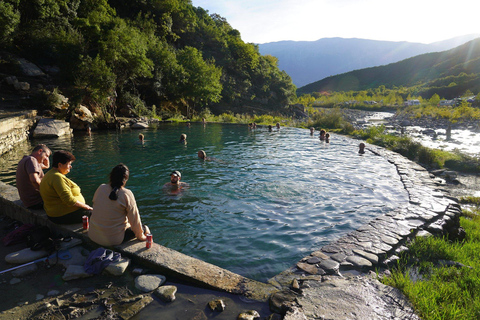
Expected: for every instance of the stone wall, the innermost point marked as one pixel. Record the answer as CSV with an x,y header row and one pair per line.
x,y
15,129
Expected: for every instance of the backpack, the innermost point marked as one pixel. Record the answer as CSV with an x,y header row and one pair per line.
x,y
40,238
18,235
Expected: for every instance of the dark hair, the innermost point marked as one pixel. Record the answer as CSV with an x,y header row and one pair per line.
x,y
118,177
43,147
61,157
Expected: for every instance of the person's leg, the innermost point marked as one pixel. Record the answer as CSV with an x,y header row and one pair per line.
x,y
38,206
71,218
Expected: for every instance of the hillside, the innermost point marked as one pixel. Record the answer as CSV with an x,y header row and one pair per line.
x,y
309,61
153,57
449,73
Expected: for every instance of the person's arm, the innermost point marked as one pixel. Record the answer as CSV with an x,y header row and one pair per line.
x,y
35,180
83,206
133,217
64,191
45,164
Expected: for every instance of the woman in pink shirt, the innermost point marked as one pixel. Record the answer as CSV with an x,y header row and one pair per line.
x,y
115,217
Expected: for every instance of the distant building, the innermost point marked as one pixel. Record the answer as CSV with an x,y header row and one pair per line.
x,y
446,103
413,102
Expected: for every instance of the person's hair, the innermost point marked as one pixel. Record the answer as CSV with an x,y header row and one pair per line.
x,y
61,157
203,153
141,136
43,147
183,136
118,177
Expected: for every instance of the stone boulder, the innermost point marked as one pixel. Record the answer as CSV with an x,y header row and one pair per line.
x,y
22,86
140,125
81,118
30,69
51,128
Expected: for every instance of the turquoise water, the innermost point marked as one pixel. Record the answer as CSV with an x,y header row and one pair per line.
x,y
265,201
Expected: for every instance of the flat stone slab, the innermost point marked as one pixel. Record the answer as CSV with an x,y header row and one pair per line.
x,y
352,298
171,262
51,128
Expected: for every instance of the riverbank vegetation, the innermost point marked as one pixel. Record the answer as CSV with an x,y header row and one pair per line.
x,y
442,278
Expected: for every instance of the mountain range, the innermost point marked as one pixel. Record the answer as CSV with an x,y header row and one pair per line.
x,y
448,73
310,61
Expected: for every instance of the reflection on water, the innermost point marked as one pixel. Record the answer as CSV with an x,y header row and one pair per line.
x,y
269,199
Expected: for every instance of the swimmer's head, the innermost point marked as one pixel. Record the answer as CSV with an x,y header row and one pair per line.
x,y
202,154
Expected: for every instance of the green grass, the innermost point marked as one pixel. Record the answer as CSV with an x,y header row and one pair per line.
x,y
442,292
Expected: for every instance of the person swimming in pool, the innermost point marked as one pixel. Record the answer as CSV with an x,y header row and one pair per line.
x,y
175,185
183,138
361,148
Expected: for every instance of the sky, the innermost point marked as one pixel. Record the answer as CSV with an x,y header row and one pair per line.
x,y
424,21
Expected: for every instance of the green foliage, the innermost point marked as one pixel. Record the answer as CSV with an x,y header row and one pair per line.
x,y
442,292
97,78
201,80
47,100
9,20
327,119
168,53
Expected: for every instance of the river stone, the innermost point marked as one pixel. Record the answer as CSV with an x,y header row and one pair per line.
x,y
274,316
128,311
24,256
295,313
117,268
21,272
280,301
15,281
249,315
359,262
217,305
295,284
307,267
39,297
330,266
140,125
149,282
75,272
313,260
369,256
339,257
320,254
166,293
424,234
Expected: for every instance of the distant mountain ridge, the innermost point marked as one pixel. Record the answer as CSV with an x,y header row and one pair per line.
x,y
448,73
310,61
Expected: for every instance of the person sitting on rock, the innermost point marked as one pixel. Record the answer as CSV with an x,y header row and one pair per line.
x,y
29,175
63,200
115,217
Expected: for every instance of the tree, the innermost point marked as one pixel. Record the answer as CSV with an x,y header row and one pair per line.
x,y
201,80
9,20
434,100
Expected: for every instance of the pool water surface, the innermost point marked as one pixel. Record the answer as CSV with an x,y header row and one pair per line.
x,y
266,200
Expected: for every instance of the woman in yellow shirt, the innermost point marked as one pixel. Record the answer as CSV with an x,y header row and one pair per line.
x,y
62,198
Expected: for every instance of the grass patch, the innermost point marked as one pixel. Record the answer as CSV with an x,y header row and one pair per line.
x,y
442,292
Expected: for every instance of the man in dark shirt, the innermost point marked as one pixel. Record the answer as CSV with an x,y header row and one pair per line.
x,y
30,174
